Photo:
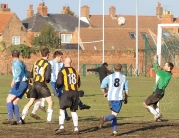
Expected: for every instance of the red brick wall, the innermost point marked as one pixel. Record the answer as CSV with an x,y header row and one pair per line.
x,y
86,57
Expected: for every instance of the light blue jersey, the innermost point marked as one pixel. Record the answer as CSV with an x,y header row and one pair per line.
x,y
56,67
19,71
117,83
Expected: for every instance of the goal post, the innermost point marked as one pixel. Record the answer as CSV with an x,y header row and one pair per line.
x,y
159,42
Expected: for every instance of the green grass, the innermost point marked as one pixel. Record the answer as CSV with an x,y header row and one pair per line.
x,y
131,114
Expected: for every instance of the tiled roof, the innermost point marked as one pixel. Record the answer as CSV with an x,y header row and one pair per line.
x,y
61,22
114,38
4,20
150,22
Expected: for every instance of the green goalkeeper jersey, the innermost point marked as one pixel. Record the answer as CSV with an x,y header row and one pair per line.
x,y
164,78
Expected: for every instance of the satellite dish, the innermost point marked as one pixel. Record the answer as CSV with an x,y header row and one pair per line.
x,y
121,20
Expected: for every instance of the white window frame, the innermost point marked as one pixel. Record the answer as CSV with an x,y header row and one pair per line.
x,y
64,40
16,40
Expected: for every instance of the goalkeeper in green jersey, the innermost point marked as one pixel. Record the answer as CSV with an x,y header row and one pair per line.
x,y
159,88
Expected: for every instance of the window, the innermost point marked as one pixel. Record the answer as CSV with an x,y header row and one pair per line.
x,y
16,40
132,35
36,35
166,34
144,35
66,38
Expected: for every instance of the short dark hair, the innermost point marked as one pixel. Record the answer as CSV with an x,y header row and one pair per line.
x,y
105,64
57,53
15,53
118,67
170,64
45,52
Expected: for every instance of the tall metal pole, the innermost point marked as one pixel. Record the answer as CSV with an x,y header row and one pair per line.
x,y
103,33
137,64
79,35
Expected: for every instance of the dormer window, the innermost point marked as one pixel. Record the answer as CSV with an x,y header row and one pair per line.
x,y
132,35
144,35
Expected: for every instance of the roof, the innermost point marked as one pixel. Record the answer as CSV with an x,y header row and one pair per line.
x,y
60,22
5,17
114,38
150,22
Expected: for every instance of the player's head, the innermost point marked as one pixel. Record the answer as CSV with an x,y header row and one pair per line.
x,y
45,52
117,67
105,64
168,66
15,54
57,55
68,62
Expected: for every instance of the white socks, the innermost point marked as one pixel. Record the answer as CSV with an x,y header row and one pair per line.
x,y
152,110
36,107
24,113
42,102
49,115
75,118
61,119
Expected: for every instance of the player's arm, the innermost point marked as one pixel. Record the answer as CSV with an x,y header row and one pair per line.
x,y
79,81
94,69
59,80
126,89
48,73
104,85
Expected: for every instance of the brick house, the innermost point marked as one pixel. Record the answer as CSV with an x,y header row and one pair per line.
x,y
12,31
120,29
63,23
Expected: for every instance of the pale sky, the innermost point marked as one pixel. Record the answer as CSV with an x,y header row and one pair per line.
x,y
126,7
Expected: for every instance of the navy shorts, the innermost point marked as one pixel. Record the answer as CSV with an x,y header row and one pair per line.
x,y
19,89
115,105
57,92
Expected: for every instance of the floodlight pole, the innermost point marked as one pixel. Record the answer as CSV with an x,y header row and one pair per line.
x,y
79,35
137,64
103,34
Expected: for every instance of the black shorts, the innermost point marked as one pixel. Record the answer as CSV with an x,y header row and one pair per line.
x,y
154,98
39,90
69,99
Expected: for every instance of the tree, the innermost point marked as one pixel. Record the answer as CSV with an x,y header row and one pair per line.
x,y
68,11
47,38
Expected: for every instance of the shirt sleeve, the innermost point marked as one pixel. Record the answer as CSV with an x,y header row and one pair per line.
x,y
158,69
48,73
79,81
94,69
126,86
105,82
60,80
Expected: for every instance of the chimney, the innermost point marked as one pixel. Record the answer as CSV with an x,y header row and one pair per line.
x,y
42,9
64,11
159,10
4,8
167,17
112,11
85,11
30,11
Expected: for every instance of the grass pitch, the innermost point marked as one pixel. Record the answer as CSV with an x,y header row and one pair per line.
x,y
133,119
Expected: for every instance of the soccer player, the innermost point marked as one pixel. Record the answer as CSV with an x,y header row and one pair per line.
x,y
69,79
117,84
159,88
41,75
103,71
19,85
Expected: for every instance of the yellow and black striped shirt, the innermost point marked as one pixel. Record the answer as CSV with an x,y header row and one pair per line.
x,y
69,79
41,71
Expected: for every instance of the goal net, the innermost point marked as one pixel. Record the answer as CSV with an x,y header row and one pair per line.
x,y
168,51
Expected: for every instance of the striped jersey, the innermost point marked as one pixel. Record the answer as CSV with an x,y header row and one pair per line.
x,y
56,67
117,83
19,70
69,79
41,71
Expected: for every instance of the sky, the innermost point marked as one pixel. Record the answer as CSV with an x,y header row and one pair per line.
x,y
126,7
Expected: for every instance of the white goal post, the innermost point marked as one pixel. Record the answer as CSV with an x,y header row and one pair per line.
x,y
159,42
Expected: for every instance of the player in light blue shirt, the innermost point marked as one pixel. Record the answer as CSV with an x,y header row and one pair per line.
x,y
117,85
19,85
